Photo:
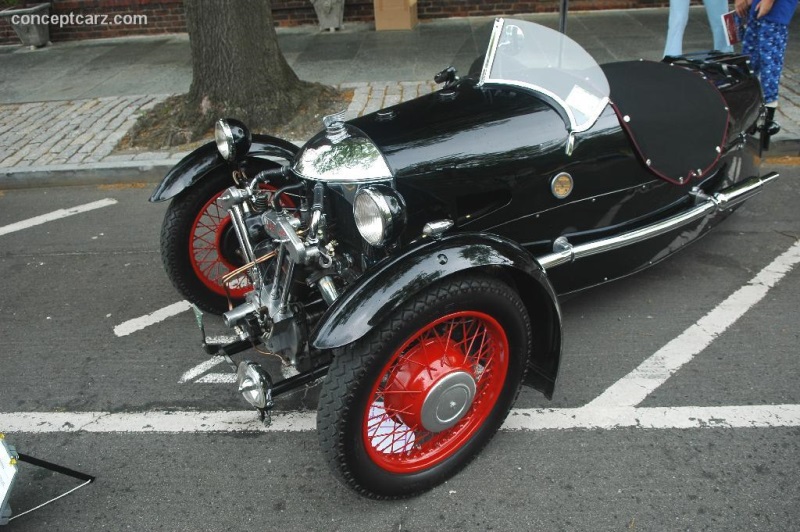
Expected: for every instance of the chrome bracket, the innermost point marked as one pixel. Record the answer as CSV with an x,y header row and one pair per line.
x,y
436,228
699,196
561,246
570,143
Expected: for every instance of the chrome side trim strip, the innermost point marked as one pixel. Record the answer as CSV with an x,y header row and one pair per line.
x,y
722,200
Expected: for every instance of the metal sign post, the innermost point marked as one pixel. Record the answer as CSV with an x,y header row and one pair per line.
x,y
562,16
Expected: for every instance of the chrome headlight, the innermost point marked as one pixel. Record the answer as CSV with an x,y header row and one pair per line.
x,y
380,214
233,139
254,384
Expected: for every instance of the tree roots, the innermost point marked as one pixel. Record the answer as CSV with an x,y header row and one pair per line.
x,y
179,121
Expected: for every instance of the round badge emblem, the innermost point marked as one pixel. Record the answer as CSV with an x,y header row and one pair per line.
x,y
561,185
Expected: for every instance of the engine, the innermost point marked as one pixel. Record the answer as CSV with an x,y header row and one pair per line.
x,y
305,242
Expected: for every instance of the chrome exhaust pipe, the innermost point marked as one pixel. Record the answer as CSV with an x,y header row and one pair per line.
x,y
235,315
743,191
328,290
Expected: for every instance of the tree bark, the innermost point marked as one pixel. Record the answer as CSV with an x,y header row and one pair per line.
x,y
238,69
238,72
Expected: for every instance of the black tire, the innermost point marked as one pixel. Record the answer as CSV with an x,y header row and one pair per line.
x,y
359,407
177,232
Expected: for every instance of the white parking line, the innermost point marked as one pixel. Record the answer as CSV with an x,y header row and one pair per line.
x,y
163,422
200,369
55,215
634,387
685,417
196,373
613,409
137,324
758,416
217,378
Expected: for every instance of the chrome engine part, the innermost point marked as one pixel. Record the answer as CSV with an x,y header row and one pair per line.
x,y
297,239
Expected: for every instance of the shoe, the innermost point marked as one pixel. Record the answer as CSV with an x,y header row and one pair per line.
x,y
771,127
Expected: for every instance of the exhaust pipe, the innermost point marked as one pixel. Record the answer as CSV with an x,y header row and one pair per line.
x,y
233,316
732,196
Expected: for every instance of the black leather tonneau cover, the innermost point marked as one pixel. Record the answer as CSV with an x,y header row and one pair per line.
x,y
677,119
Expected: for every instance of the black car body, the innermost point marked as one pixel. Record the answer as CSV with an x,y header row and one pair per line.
x,y
445,223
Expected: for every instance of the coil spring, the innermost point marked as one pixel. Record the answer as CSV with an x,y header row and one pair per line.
x,y
260,202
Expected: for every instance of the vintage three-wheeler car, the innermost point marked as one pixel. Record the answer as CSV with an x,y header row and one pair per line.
x,y
416,256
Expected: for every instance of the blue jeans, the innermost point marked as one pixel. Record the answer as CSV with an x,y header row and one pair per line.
x,y
679,17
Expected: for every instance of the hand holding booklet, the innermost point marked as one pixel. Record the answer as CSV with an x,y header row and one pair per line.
x,y
734,27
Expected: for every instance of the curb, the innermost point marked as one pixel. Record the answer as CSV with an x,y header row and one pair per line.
x,y
783,147
151,171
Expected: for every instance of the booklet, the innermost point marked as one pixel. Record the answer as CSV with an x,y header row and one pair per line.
x,y
733,27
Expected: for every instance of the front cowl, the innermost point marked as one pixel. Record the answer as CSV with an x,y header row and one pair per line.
x,y
341,154
464,127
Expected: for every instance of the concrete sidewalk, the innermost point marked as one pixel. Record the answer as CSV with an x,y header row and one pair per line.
x,y
64,108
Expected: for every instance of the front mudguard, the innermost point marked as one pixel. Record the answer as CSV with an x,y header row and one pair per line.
x,y
206,159
389,284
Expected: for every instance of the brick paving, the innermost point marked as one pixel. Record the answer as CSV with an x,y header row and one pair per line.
x,y
67,132
77,132
369,97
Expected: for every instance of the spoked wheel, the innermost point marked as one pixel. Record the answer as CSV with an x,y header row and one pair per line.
x,y
409,405
214,249
199,245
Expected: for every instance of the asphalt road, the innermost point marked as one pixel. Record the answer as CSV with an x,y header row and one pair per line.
x,y
65,286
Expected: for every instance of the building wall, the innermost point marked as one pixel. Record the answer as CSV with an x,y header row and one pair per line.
x,y
167,16
163,16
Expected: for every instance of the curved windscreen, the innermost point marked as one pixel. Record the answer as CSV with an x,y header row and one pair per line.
x,y
527,55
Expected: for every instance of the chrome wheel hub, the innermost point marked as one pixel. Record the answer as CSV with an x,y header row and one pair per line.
x,y
448,401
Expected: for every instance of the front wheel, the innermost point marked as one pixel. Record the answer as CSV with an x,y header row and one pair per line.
x,y
199,245
410,404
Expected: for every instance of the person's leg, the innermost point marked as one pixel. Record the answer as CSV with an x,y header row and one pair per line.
x,y
765,43
772,48
678,17
750,45
715,9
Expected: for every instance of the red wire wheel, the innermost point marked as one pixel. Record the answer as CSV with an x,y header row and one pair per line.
x,y
436,391
210,229
214,248
199,245
413,401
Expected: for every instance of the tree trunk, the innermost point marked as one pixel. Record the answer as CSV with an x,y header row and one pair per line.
x,y
238,69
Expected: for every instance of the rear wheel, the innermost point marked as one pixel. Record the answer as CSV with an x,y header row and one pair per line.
x,y
410,404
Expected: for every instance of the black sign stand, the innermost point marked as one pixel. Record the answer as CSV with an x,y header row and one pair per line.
x,y
88,479
562,16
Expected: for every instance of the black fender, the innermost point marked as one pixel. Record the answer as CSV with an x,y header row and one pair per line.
x,y
390,283
206,159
